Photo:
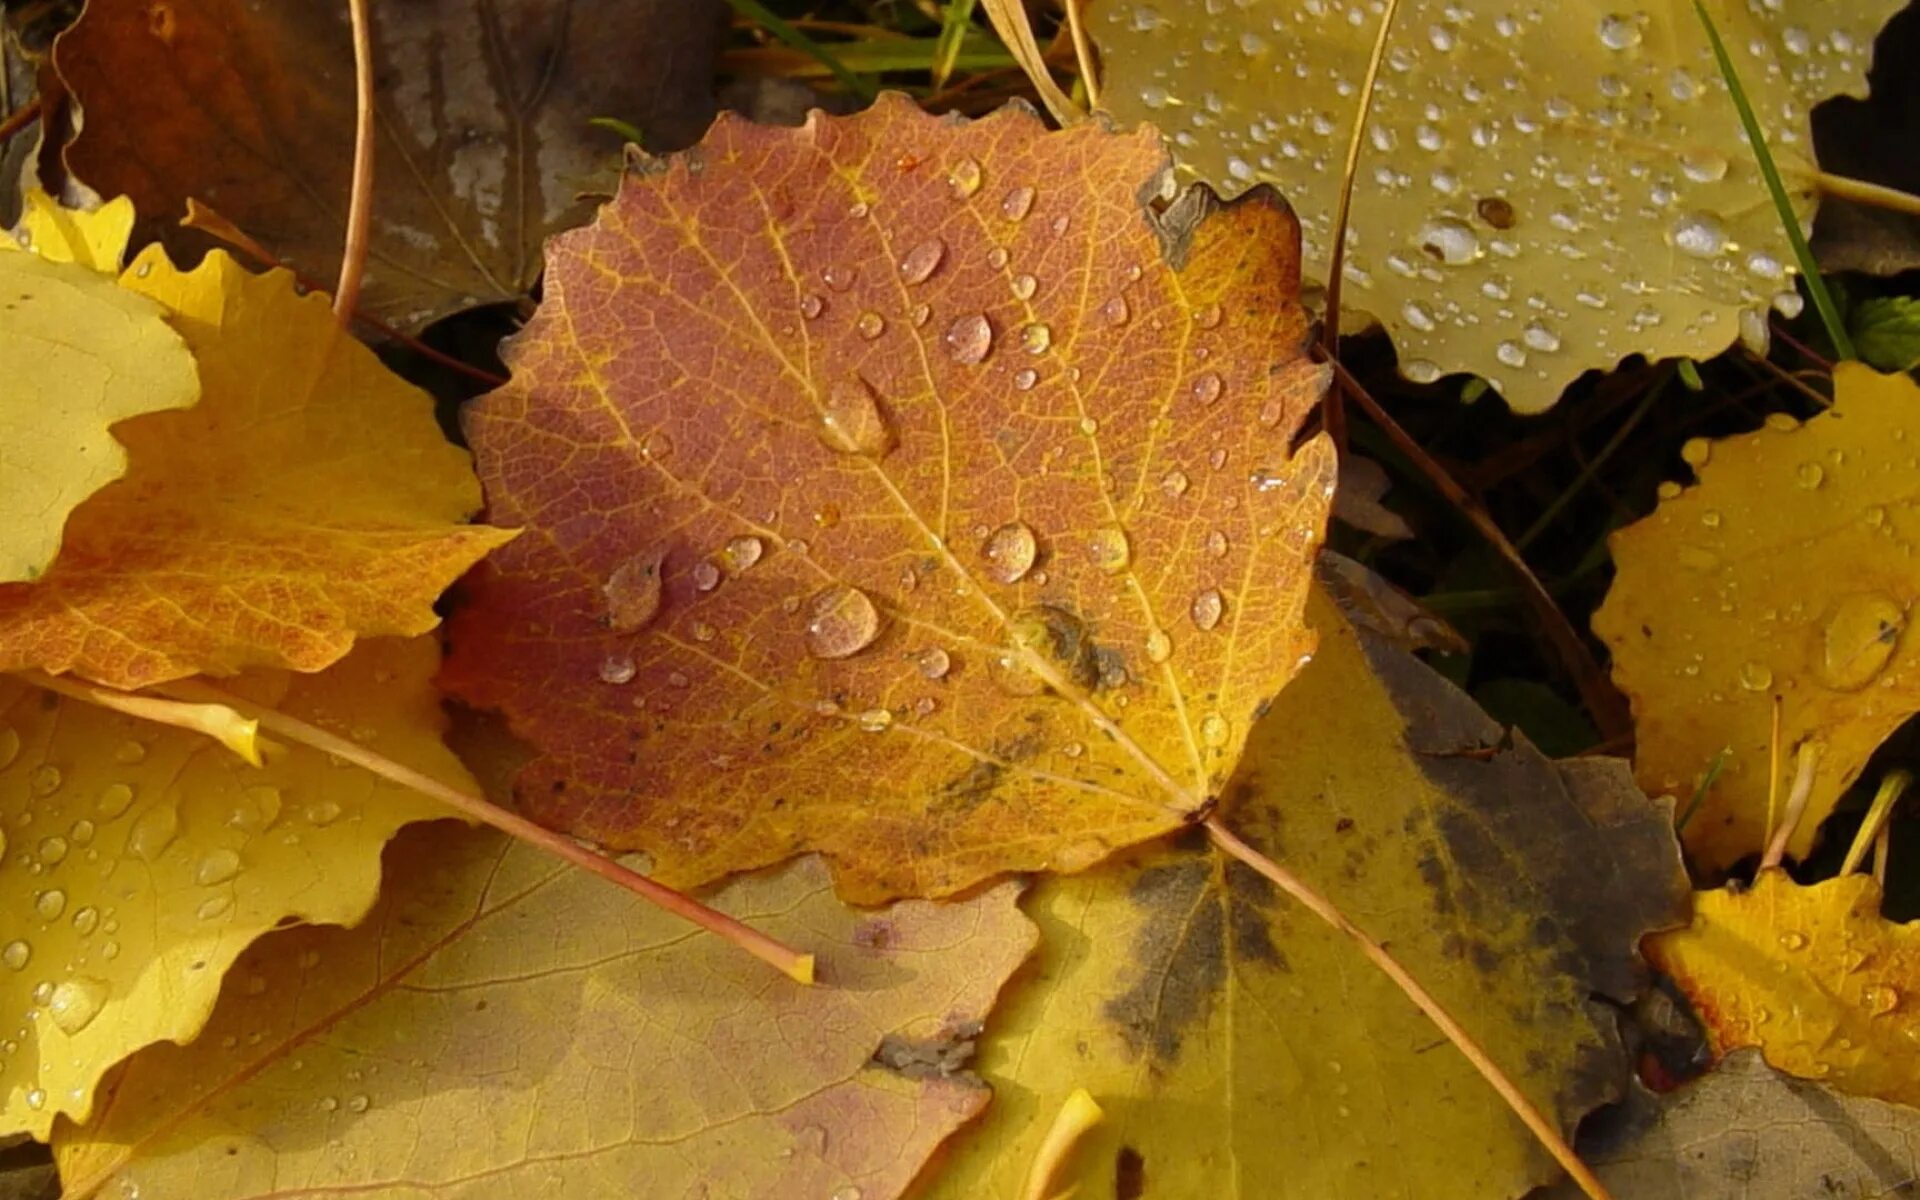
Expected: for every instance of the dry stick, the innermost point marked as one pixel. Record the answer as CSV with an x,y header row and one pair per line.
x,y
1608,707
353,256
205,219
1804,761
1862,192
1321,907
1773,767
1083,52
20,118
1009,19
796,965
1875,824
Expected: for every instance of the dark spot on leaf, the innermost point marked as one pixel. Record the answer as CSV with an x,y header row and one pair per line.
x,y
1495,211
943,1056
1129,1174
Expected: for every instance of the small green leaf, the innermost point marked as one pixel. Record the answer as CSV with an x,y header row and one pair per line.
x,y
1886,332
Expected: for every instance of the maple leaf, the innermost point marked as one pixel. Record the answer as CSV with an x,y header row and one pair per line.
x,y
917,510
1542,191
1786,571
485,145
1745,1130
1811,975
503,1025
144,858
1240,1047
307,500
84,354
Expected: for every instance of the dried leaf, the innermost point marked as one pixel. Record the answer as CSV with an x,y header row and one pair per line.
x,y
143,859
1811,975
485,143
1543,191
1787,571
308,499
1746,1132
82,353
1240,1047
504,1025
982,542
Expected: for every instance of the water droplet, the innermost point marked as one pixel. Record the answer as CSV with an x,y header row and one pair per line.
x,y
82,832
329,1104
1696,452
933,662
1016,204
213,906
965,178
1857,641
9,746
617,669
1174,483
1809,475
46,780
1159,646
53,850
841,622
16,955
1450,242
706,576
1755,676
851,421
1214,730
876,720
923,260
1109,550
1217,544
1698,234
127,753
870,325
1703,164
76,1002
1207,316
321,813
218,866
1025,378
1619,32
86,920
1035,338
1024,286
811,306
50,904
1793,939
153,831
839,277
1206,609
970,339
36,1098
1115,311
632,592
919,315
997,257
847,1193
1207,387
1010,551
1880,999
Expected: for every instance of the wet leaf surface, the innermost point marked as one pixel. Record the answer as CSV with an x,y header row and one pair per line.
x,y
918,511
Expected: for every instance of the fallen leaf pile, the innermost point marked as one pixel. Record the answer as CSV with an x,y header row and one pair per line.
x,y
897,535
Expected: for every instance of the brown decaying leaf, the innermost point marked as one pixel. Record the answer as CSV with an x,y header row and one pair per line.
x,y
484,151
983,542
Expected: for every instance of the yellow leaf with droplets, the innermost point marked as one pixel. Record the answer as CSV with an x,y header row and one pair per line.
x,y
1789,570
93,238
1543,190
1239,1047
142,859
505,1025
81,353
1813,976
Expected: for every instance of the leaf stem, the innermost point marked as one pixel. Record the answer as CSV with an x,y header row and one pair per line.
x,y
1604,703
795,965
20,118
1804,761
1321,907
1861,192
1337,255
353,255
217,721
1078,1114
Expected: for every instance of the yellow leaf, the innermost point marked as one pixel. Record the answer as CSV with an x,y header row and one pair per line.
x,y
1241,1048
504,1025
81,353
1787,571
1814,976
1540,191
142,859
309,499
95,238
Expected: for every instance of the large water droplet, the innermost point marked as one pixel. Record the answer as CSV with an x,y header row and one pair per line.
x,y
841,622
1053,636
114,799
1109,549
153,831
632,592
933,662
50,904
1696,452
53,850
851,421
15,955
46,779
1698,234
870,325
965,178
1206,387
923,260
1857,641
1619,32
76,1002
1703,164
1035,338
1016,204
1206,609
1010,551
1448,241
216,866
617,669
970,339
1023,286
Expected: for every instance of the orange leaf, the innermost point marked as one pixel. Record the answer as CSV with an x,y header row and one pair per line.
x,y
307,500
900,489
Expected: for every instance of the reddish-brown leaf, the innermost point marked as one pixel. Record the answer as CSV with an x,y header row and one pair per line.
x,y
902,489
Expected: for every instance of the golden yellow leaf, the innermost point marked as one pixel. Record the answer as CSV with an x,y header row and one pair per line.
x,y
1788,571
142,859
94,238
81,353
1814,976
307,500
1543,190
1239,1047
504,1025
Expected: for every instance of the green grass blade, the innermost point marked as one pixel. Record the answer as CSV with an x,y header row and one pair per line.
x,y
767,19
955,22
1809,270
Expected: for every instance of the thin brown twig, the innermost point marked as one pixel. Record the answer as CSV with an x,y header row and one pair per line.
x,y
204,218
1604,702
795,965
20,118
1524,1108
1780,331
353,255
1083,51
